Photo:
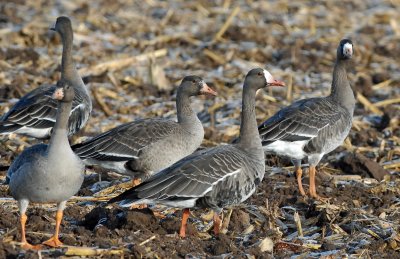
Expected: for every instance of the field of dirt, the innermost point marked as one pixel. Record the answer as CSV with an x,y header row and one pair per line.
x,y
133,54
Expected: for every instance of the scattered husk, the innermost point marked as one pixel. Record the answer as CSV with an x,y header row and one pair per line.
x,y
133,56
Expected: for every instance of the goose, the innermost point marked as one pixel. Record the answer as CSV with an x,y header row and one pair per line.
x,y
217,177
48,173
34,114
311,128
143,147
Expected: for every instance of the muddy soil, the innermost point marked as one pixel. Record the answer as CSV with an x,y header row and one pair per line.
x,y
267,214
296,41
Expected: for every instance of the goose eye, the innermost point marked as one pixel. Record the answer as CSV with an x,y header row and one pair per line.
x,y
260,73
193,81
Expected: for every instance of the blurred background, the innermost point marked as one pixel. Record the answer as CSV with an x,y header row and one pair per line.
x,y
133,54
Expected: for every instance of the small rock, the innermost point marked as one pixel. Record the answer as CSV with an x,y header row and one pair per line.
x,y
266,245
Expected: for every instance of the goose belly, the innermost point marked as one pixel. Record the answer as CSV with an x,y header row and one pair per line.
x,y
46,179
328,139
57,190
44,186
335,141
292,149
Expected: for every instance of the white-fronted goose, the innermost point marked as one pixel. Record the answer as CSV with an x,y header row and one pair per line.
x,y
212,178
48,173
34,114
143,147
310,128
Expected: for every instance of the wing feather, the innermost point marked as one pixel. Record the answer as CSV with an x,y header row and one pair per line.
x,y
303,120
38,110
191,177
125,141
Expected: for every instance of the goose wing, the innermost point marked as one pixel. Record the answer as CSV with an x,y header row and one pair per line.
x,y
125,141
38,110
190,178
303,120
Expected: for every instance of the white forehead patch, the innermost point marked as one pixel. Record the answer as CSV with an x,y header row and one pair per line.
x,y
348,49
268,76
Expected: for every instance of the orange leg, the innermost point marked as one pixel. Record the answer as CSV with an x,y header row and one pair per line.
x,y
54,241
313,189
217,223
25,244
185,216
299,173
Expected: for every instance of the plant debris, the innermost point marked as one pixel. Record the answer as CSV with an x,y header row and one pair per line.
x,y
132,55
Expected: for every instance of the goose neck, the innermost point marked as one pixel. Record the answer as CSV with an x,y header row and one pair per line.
x,y
249,136
184,110
341,90
67,63
68,69
59,135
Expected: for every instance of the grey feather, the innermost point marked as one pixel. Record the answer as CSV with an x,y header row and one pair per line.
x,y
143,147
216,177
35,113
313,127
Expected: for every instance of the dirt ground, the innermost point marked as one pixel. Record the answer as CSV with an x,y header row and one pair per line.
x,y
339,227
132,55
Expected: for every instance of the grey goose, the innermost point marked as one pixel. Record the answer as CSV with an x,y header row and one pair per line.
x,y
214,178
48,173
143,147
34,114
312,127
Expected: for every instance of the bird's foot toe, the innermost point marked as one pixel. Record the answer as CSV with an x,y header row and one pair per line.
x,y
27,246
53,242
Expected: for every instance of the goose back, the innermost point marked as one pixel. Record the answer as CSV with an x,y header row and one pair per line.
x,y
215,178
141,147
